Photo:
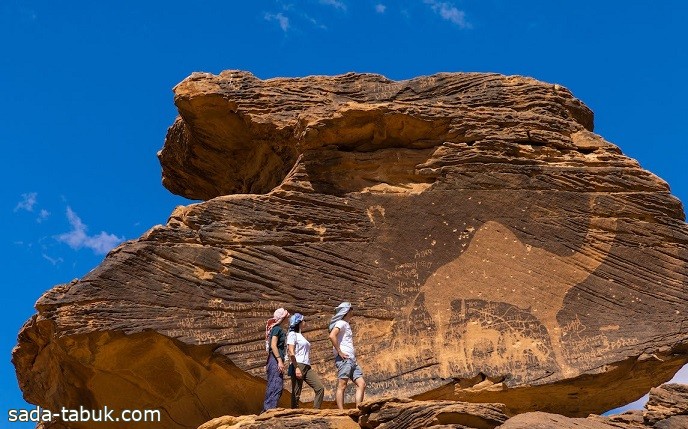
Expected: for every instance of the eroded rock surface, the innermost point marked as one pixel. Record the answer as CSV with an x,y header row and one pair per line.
x,y
667,401
396,413
385,413
666,409
281,418
494,247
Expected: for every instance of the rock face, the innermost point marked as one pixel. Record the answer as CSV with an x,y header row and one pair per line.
x,y
667,402
495,250
281,418
394,413
385,413
667,408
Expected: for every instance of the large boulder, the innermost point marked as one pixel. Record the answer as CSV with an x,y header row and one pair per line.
x,y
495,250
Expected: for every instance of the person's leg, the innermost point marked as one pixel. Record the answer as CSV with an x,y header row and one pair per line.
x,y
313,380
360,384
345,369
296,387
360,390
275,385
295,391
341,388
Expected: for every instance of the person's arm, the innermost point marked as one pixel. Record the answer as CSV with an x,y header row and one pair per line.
x,y
335,342
276,353
291,349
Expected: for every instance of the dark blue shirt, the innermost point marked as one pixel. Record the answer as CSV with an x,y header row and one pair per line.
x,y
281,339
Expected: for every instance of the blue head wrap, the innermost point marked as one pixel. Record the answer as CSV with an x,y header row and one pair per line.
x,y
295,320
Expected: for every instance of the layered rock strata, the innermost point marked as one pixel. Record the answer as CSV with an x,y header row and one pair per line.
x,y
666,409
495,250
384,413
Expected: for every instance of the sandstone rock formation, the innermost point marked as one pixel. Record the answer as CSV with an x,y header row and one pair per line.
x,y
281,418
667,408
394,413
667,402
385,413
495,249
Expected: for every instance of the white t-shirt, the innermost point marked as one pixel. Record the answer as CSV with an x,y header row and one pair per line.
x,y
302,348
345,338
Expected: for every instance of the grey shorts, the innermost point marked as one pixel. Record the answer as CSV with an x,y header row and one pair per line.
x,y
347,368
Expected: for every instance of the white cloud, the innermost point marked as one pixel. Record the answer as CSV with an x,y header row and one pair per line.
x,y
380,8
280,18
315,22
54,261
334,3
43,215
27,202
78,238
449,12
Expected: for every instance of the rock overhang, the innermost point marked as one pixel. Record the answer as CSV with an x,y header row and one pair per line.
x,y
239,134
498,249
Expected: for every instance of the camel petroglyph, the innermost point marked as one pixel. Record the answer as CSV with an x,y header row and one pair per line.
x,y
537,280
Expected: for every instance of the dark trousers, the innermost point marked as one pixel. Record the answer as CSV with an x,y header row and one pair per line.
x,y
311,378
275,385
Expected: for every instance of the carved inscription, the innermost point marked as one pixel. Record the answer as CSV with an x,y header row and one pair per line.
x,y
225,323
580,348
471,315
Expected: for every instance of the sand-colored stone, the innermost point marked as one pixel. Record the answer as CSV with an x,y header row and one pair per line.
x,y
384,413
666,409
393,413
495,249
399,413
281,418
667,401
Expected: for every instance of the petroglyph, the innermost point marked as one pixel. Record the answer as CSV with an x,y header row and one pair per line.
x,y
494,338
573,328
593,348
375,211
423,253
221,322
473,329
538,287
609,328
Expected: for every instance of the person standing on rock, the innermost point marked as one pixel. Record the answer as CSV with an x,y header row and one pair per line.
x,y
344,355
299,349
275,338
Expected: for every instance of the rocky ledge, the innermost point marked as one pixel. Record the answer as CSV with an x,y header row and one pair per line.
x,y
666,409
496,250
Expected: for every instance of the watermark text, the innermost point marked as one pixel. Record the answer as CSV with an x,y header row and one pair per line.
x,y
82,415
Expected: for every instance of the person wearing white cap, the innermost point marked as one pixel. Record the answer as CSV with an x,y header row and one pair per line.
x,y
274,344
341,337
299,350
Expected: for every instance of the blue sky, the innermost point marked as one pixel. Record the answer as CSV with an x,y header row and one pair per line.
x,y
86,90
